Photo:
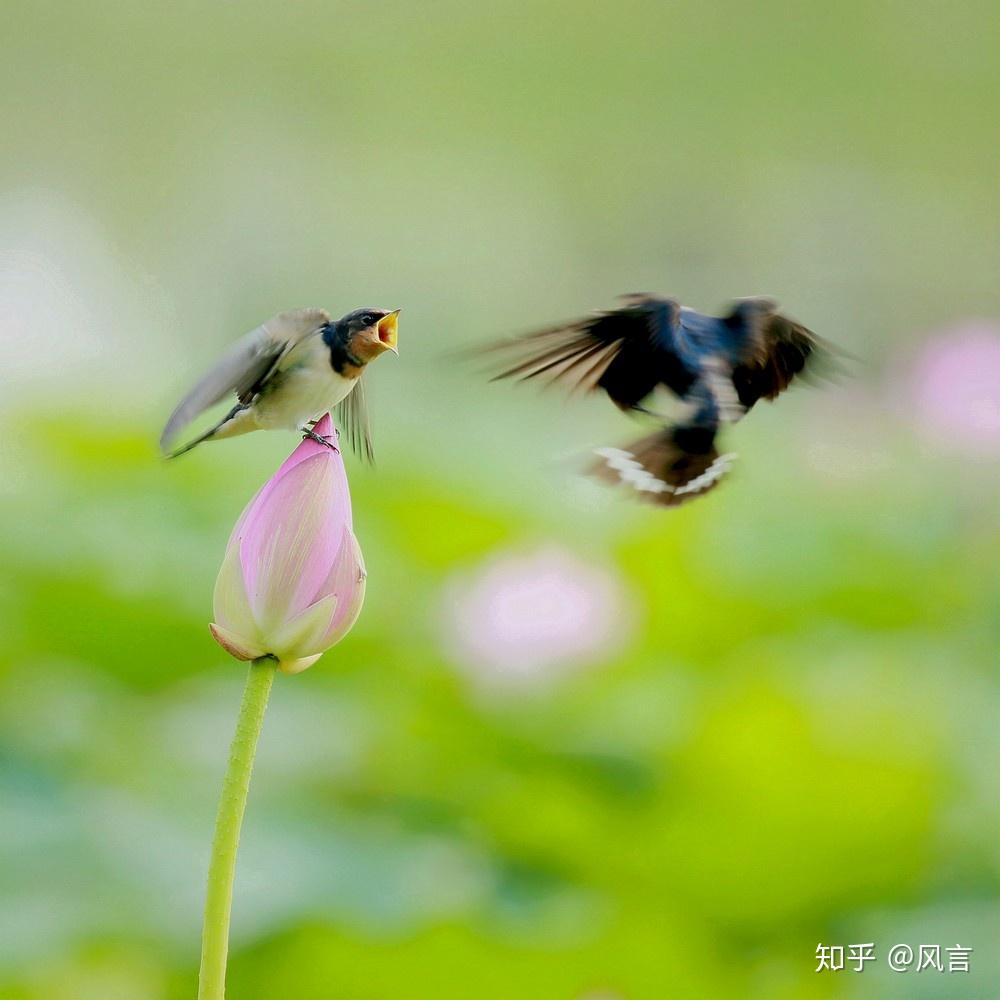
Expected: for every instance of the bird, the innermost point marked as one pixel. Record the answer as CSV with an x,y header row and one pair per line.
x,y
287,373
719,367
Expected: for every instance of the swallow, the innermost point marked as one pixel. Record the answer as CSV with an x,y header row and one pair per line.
x,y
289,372
717,366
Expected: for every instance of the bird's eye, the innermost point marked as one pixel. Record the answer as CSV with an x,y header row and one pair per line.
x,y
369,318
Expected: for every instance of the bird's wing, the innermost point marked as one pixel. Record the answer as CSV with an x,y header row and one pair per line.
x,y
575,353
596,352
354,421
245,366
772,349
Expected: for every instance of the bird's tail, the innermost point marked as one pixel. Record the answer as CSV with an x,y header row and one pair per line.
x,y
218,430
666,468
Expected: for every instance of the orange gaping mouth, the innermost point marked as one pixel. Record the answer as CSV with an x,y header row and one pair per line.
x,y
387,329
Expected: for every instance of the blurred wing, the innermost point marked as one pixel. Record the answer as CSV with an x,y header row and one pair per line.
x,y
354,421
244,367
576,354
774,350
583,354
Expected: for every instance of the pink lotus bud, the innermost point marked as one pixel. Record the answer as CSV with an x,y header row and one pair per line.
x,y
293,580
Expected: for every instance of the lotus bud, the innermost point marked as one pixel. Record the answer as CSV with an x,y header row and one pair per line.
x,y
293,579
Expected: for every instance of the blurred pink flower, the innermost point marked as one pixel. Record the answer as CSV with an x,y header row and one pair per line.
x,y
522,618
956,389
293,580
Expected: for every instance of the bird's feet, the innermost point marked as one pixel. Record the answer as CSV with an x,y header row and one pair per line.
x,y
332,444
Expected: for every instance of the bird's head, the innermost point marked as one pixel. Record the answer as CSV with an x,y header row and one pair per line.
x,y
369,332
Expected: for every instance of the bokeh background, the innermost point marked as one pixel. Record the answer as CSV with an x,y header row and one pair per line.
x,y
574,748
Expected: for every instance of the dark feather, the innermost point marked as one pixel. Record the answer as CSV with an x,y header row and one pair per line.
x,y
776,349
626,352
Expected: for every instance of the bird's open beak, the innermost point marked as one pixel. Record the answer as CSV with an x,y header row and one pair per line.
x,y
387,329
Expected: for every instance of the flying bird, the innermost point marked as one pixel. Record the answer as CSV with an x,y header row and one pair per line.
x,y
287,373
717,366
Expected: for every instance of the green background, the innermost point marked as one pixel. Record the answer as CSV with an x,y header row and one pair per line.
x,y
793,742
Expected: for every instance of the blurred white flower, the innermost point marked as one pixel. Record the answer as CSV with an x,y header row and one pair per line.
x,y
71,306
526,618
956,389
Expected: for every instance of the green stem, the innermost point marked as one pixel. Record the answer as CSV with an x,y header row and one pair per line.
x,y
222,867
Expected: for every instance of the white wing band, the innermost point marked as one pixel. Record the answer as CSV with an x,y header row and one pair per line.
x,y
633,474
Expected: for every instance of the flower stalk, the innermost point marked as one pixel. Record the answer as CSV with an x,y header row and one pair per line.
x,y
291,585
229,819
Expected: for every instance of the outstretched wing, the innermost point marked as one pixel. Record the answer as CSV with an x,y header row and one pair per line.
x,y
354,421
245,366
773,350
625,351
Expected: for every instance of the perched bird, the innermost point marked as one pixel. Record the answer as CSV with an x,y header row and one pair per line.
x,y
289,372
717,366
